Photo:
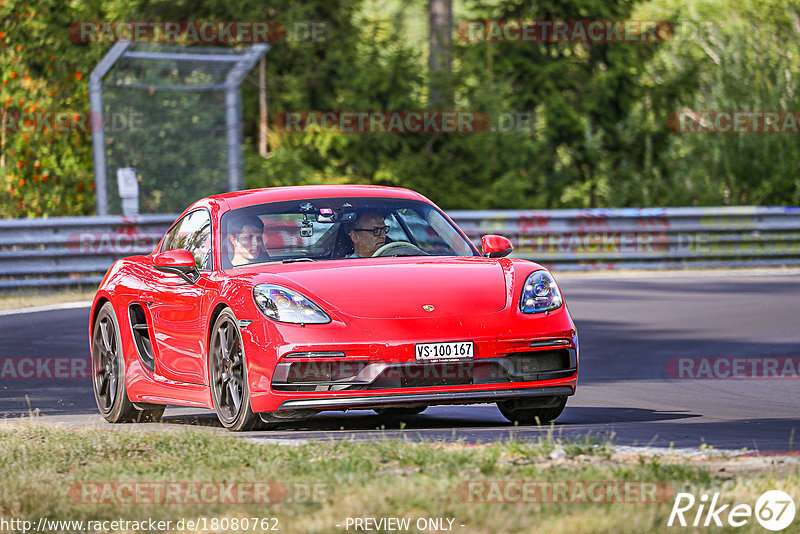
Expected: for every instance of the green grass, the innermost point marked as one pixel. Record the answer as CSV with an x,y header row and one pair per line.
x,y
40,464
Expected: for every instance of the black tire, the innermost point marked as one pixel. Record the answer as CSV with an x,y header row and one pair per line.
x,y
525,414
400,412
228,375
108,374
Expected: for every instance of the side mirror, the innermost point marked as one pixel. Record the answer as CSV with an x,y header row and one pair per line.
x,y
496,246
177,261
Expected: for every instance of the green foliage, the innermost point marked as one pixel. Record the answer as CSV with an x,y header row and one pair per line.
x,y
43,171
743,58
598,133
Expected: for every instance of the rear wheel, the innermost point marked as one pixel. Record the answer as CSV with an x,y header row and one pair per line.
x,y
527,412
400,412
228,373
108,374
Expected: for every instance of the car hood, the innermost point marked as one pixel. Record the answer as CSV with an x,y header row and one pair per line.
x,y
400,287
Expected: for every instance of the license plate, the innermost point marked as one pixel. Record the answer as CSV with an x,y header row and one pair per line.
x,y
455,350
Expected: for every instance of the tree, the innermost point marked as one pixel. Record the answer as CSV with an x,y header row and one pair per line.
x,y
440,17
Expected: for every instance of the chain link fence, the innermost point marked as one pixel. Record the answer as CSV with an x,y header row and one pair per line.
x,y
174,115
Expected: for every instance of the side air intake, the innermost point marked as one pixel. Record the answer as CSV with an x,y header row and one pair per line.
x,y
141,335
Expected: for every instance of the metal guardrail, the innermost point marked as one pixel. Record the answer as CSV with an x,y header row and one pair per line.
x,y
645,238
78,250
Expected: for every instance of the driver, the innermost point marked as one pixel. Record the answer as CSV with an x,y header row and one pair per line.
x,y
246,235
368,234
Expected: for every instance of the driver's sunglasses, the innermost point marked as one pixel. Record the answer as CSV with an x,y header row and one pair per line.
x,y
377,231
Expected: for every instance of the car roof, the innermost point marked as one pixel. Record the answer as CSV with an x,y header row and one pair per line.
x,y
240,199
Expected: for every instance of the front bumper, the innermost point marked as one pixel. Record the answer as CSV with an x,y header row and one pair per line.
x,y
341,374
438,397
341,384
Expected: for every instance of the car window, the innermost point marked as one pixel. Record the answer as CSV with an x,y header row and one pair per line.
x,y
193,233
396,231
282,234
432,233
322,228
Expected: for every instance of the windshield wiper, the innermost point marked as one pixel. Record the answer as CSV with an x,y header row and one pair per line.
x,y
295,260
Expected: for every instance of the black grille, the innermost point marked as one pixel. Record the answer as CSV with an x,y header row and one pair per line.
x,y
141,335
323,371
542,361
515,367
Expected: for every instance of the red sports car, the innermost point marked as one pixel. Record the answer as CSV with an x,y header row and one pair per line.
x,y
275,304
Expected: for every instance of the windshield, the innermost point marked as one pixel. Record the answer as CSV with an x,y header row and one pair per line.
x,y
338,228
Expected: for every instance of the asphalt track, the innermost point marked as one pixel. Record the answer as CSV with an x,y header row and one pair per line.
x,y
630,326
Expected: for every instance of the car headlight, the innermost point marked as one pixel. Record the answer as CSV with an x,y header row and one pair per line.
x,y
540,293
287,306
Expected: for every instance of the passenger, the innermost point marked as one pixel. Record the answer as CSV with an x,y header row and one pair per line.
x,y
368,234
246,237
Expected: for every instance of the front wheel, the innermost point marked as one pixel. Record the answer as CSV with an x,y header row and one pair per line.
x,y
524,413
228,373
108,374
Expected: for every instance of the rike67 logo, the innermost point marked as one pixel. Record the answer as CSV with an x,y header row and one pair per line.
x,y
774,510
